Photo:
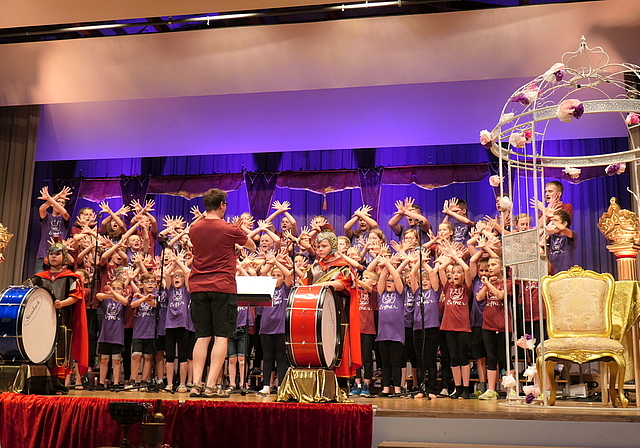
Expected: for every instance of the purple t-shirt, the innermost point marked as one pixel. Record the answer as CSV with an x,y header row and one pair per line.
x,y
178,310
273,316
409,303
391,317
144,325
561,251
477,307
244,316
430,299
52,227
112,330
461,231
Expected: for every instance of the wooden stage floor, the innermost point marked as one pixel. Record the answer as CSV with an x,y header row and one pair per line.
x,y
438,408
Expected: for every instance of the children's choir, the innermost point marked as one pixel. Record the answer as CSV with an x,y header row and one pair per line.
x,y
436,301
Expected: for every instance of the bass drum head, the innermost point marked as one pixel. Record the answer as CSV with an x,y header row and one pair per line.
x,y
330,329
38,325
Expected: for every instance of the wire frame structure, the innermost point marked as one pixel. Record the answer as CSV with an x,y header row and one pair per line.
x,y
584,82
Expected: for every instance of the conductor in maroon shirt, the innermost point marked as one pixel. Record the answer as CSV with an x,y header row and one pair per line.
x,y
213,289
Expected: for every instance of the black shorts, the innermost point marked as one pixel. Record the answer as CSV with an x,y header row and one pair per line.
x,y
161,343
107,348
144,346
214,314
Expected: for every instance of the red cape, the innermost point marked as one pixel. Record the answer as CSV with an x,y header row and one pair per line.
x,y
80,336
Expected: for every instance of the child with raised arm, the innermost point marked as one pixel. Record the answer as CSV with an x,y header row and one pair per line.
x,y
55,224
561,242
113,225
390,336
426,326
415,219
362,216
478,351
494,326
111,339
178,322
455,319
272,328
455,211
368,296
144,332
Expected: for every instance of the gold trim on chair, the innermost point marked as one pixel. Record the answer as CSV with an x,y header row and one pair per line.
x,y
579,323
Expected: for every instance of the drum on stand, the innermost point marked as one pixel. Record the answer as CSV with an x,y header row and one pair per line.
x,y
313,333
28,324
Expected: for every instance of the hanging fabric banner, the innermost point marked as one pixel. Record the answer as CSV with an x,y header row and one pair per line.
x,y
370,186
321,182
190,187
260,189
435,176
98,190
134,188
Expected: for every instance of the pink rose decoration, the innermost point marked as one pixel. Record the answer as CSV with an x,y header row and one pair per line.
x,y
495,181
517,140
527,133
615,168
632,119
555,73
485,139
573,173
569,109
528,95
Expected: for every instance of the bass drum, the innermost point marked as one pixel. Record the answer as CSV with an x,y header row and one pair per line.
x,y
312,327
28,325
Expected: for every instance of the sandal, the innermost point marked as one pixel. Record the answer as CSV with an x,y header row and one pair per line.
x,y
209,392
196,391
169,389
182,389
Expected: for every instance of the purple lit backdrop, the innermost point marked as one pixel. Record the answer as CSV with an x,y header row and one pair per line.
x,y
365,117
590,198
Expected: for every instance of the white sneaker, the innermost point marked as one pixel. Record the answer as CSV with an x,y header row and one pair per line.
x,y
265,390
489,395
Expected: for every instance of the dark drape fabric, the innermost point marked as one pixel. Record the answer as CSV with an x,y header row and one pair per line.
x,y
435,176
194,186
72,422
370,187
260,189
18,134
134,188
98,190
322,182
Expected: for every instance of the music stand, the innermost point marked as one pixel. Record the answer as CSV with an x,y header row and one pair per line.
x,y
252,291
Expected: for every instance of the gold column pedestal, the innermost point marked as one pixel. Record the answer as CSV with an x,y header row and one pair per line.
x,y
626,260
627,263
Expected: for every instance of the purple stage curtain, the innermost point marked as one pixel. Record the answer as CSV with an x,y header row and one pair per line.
x,y
134,188
97,190
260,189
434,176
74,422
191,186
370,186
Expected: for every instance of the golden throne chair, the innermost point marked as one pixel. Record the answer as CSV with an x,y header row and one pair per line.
x,y
579,323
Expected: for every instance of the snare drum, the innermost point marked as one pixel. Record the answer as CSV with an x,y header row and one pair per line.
x,y
27,324
312,328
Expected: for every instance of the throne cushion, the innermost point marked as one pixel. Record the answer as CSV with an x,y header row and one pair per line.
x,y
582,343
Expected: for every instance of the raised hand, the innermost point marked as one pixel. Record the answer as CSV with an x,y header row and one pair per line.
x,y
400,209
136,206
44,194
123,211
281,206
